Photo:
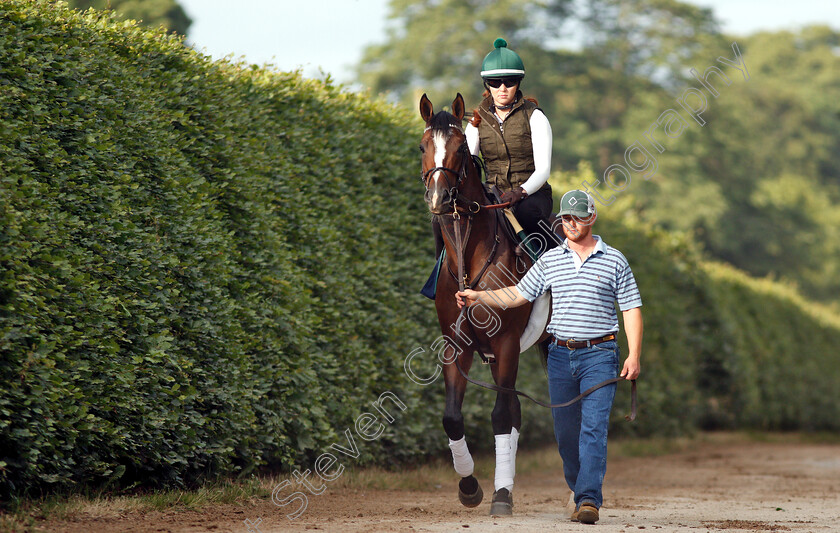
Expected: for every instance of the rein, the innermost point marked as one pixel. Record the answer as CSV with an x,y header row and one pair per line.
x,y
472,209
473,206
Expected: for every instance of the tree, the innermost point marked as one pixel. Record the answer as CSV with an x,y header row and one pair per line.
x,y
437,46
151,13
648,38
759,184
632,47
731,184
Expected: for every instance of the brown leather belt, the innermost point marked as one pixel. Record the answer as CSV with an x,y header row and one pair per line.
x,y
573,344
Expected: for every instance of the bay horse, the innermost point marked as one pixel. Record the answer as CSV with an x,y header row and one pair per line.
x,y
456,197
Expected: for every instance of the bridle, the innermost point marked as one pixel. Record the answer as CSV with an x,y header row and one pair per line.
x,y
472,206
458,175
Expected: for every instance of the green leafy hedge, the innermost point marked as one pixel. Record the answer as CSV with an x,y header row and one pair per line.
x,y
778,354
202,265
209,267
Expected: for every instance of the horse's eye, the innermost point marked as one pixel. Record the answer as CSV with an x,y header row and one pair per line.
x,y
422,149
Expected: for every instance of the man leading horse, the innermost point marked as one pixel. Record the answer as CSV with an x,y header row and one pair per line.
x,y
586,277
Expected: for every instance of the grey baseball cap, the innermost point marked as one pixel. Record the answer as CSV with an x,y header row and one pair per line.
x,y
577,203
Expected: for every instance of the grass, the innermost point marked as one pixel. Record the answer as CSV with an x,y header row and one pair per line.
x,y
435,474
100,504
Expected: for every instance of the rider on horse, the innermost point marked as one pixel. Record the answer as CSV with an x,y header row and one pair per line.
x,y
513,137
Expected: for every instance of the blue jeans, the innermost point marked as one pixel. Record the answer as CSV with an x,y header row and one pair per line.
x,y
581,429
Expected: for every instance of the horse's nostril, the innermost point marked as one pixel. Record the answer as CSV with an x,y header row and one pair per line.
x,y
437,197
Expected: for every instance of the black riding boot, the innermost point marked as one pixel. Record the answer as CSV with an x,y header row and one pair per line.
x,y
533,209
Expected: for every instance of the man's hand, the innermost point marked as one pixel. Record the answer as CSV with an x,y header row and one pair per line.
x,y
466,297
500,299
514,196
632,368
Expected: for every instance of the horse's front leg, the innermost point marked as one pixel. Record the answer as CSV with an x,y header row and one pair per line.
x,y
507,419
469,491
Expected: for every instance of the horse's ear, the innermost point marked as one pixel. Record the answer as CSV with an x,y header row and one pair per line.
x,y
426,110
458,107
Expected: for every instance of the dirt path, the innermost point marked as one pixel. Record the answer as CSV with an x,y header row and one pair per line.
x,y
713,486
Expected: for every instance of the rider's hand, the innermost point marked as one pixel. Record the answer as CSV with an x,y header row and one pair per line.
x,y
466,297
514,196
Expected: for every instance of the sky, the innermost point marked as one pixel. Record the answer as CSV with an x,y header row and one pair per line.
x,y
328,36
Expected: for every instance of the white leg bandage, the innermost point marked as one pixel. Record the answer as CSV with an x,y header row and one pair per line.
x,y
504,464
514,444
461,457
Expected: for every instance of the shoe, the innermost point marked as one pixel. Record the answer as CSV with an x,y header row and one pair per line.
x,y
587,514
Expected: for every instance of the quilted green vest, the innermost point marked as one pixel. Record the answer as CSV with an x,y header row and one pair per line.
x,y
506,148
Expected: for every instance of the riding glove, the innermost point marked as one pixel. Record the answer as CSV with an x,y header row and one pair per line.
x,y
514,196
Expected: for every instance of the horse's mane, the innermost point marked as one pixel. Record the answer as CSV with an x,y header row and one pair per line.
x,y
442,121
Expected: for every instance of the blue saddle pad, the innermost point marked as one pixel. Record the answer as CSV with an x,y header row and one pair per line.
x,y
430,288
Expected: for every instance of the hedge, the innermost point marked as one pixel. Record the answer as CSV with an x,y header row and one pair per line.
x,y
203,264
777,352
209,267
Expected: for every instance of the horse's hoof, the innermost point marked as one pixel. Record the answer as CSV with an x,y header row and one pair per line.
x,y
502,503
469,492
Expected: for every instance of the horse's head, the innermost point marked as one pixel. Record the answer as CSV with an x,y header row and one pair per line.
x,y
446,164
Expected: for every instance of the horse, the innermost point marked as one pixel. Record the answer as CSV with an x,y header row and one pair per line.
x,y
455,196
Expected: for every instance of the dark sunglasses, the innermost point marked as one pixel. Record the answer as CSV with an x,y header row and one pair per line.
x,y
497,82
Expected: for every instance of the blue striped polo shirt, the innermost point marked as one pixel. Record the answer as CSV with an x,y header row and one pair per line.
x,y
583,295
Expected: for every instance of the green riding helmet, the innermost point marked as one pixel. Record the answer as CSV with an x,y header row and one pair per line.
x,y
502,62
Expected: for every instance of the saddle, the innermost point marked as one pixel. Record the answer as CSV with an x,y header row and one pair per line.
x,y
511,226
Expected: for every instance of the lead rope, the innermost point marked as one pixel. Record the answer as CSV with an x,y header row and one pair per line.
x,y
497,388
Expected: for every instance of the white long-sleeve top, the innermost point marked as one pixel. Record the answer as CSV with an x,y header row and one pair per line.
x,y
540,141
